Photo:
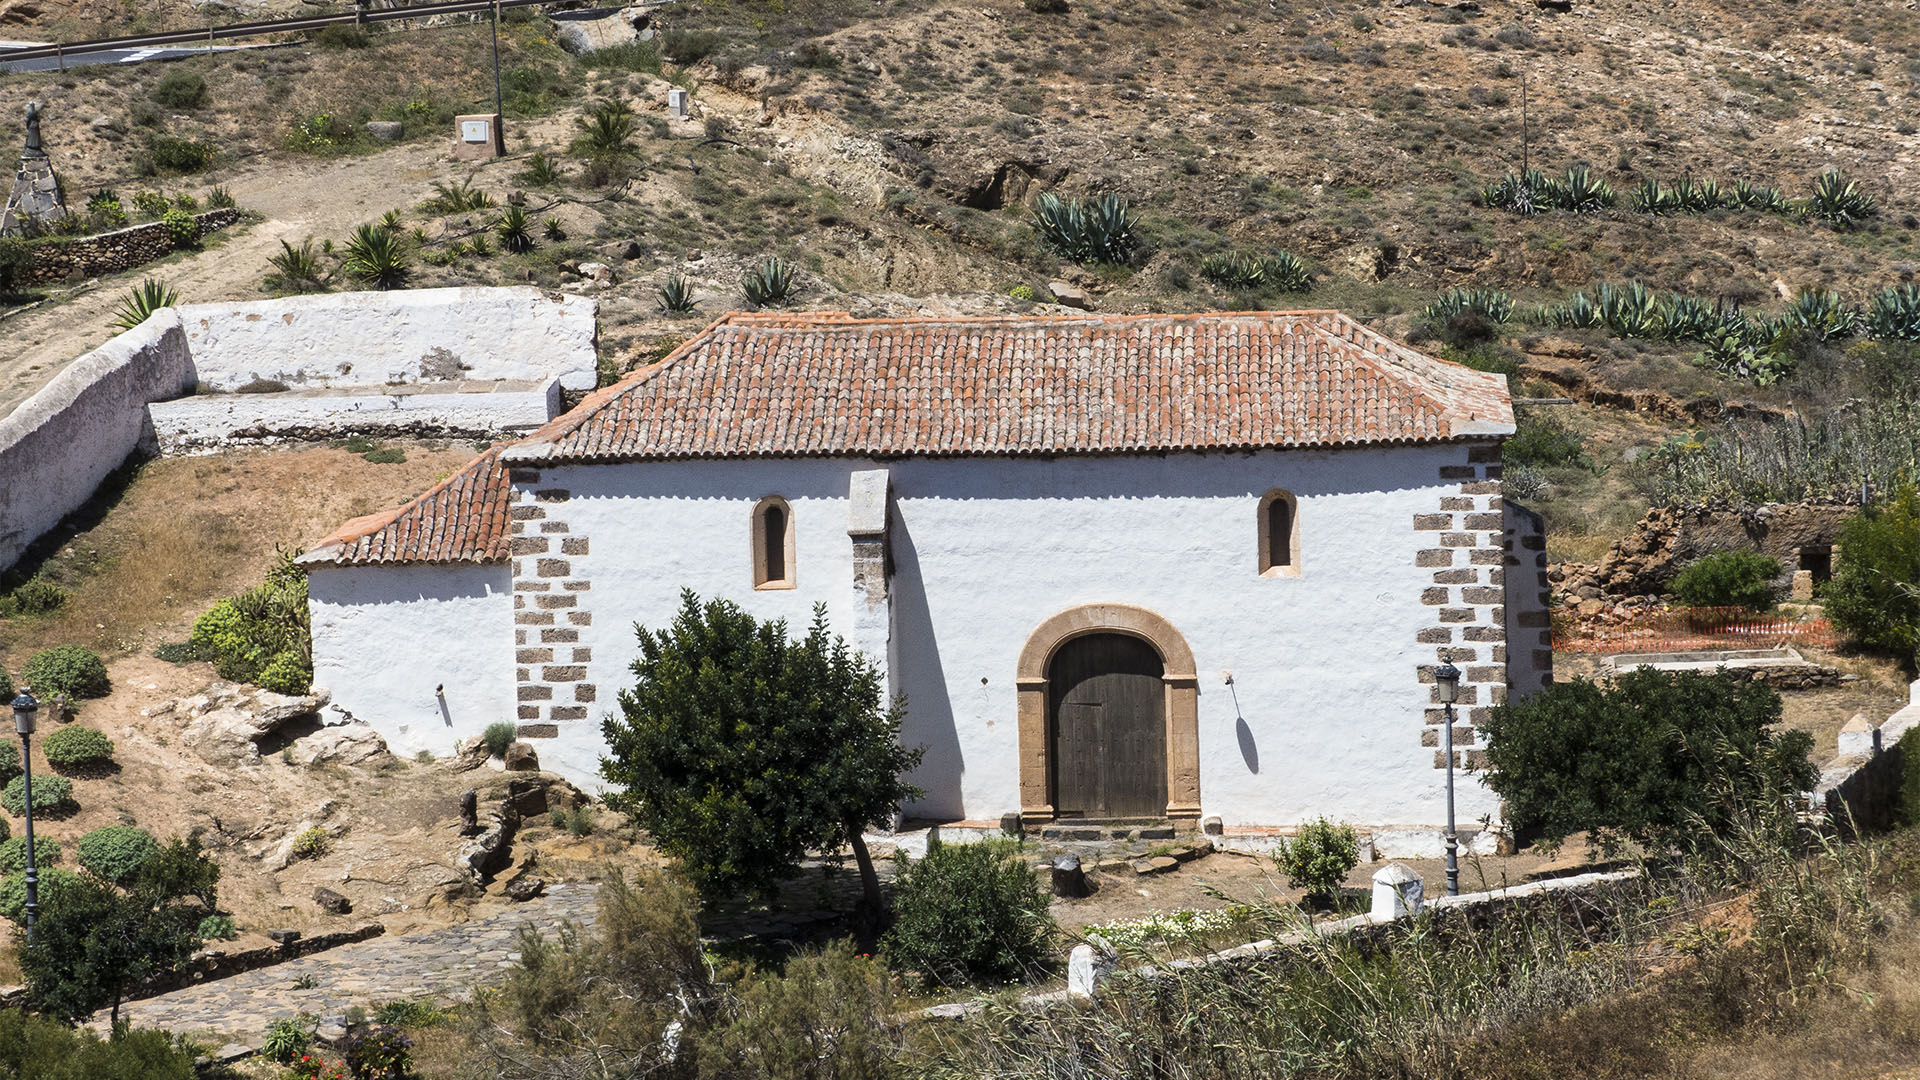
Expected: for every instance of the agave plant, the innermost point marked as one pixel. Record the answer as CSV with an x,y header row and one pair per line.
x,y
1822,314
1527,194
1582,192
1096,230
1492,305
606,130
1629,311
769,283
1286,272
143,300
555,231
1686,318
457,198
1234,269
676,295
377,256
297,269
1894,314
1839,200
540,171
515,229
1577,312
1652,198
219,198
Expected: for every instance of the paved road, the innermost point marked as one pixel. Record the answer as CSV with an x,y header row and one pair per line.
x,y
107,56
443,966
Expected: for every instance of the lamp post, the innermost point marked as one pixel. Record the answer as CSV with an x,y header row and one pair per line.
x,y
1446,678
24,708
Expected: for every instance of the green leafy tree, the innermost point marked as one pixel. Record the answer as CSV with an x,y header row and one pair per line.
x,y
739,749
1320,858
1875,592
1654,757
95,941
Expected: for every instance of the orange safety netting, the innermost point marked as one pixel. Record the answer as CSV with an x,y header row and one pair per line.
x,y
1693,630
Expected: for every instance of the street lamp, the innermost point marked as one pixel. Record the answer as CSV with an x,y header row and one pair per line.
x,y
1446,678
24,708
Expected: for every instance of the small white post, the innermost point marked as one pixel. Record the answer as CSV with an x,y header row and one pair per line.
x,y
1083,973
1397,892
677,103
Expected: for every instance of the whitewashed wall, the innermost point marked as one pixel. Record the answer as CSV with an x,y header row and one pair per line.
x,y
58,445
407,335
1323,717
384,637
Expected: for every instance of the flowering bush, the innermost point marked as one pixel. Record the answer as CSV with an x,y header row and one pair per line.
x,y
1171,927
311,1067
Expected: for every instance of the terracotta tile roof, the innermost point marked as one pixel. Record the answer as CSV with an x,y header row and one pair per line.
x,y
463,519
823,383
827,384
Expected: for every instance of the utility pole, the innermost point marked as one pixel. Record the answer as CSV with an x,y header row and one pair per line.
x,y
499,114
1526,155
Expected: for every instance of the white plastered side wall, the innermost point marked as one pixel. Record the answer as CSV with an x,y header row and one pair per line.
x,y
422,653
1324,714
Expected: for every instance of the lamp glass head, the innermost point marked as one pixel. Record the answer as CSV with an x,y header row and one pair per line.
x,y
1447,678
24,710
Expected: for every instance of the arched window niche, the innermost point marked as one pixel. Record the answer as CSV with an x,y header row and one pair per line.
x,y
772,544
1279,530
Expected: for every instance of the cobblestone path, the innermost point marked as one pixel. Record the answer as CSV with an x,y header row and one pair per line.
x,y
440,965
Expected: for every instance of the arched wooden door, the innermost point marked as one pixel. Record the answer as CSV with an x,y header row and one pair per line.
x,y
1108,725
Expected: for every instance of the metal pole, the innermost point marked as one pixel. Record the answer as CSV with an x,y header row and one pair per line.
x,y
499,136
33,874
1526,154
1453,842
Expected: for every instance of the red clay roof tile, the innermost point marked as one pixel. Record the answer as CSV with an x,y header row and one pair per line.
x,y
463,519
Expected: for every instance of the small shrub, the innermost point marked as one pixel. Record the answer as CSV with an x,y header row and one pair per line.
x,y
1728,579
540,171
151,203
175,155
219,198
554,231
77,747
1319,859
13,854
286,1039
1023,292
385,455
969,913
498,737
457,198
181,228
676,295
9,759
142,301
217,928
1544,441
180,89
1875,592
67,669
107,210
1047,7
49,793
378,1053
296,269
54,884
115,853
342,36
265,628
580,821
606,131
312,844
36,596
407,1013
15,259
769,283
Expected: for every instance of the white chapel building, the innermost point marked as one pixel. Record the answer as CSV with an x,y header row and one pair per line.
x,y
1147,567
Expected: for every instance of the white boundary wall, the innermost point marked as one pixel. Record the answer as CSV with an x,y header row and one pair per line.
x,y
58,445
403,336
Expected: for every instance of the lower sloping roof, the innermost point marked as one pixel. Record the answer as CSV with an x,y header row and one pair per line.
x,y
462,519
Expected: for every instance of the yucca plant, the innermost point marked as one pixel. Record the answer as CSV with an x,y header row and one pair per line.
x,y
1839,200
220,198
605,130
769,283
390,221
297,269
540,171
1629,311
143,300
1650,197
480,246
1096,230
1582,192
377,257
1491,305
1894,314
457,198
554,230
515,229
1821,313
676,295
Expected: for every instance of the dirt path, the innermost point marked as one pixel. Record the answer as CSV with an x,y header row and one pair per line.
x,y
297,197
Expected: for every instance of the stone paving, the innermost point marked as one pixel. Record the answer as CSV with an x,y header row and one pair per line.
x,y
443,966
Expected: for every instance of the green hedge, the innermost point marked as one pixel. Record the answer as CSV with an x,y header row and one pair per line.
x,y
116,852
9,761
1728,579
67,669
49,792
75,747
261,636
13,853
53,884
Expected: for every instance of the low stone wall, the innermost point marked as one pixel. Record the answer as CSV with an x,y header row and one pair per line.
x,y
209,423
207,967
58,446
110,253
1860,789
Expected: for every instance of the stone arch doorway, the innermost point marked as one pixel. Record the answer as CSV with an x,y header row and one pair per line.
x,y
1108,659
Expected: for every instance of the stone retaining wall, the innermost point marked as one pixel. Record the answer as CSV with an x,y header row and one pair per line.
x,y
1860,789
207,967
110,253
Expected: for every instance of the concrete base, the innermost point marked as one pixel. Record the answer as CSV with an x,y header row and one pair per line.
x,y
476,137
208,423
